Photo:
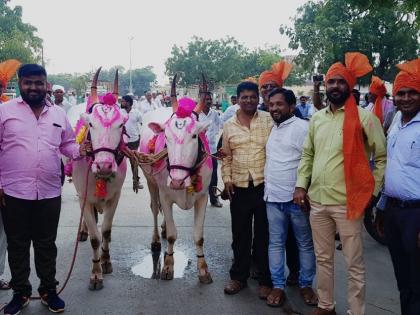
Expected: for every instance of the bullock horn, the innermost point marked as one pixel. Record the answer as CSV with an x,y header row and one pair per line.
x,y
174,100
203,90
115,91
94,87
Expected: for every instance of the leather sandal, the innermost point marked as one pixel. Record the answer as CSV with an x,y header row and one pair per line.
x,y
234,286
309,296
276,297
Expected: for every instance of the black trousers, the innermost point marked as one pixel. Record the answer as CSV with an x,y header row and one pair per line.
x,y
36,221
248,204
401,229
213,182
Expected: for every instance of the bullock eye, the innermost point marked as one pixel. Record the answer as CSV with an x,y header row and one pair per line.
x,y
194,136
90,125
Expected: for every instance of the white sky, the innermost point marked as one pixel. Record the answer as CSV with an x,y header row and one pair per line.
x,y
81,35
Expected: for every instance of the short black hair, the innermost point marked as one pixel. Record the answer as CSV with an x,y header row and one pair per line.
x,y
289,96
356,95
128,99
247,86
233,96
29,69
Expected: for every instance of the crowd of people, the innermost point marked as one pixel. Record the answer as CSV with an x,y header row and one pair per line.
x,y
295,174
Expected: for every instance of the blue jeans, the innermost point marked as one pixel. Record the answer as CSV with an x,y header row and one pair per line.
x,y
279,214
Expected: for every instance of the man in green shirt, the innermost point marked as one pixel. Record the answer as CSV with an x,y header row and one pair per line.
x,y
322,170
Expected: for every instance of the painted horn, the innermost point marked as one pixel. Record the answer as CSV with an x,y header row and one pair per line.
x,y
174,100
94,87
115,91
203,92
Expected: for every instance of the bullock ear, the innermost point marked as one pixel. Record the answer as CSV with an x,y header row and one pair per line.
x,y
156,127
203,126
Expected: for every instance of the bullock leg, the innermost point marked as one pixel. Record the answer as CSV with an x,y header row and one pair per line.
x,y
96,277
154,205
168,263
199,215
106,234
83,235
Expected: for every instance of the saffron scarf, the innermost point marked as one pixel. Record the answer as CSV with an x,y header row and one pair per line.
x,y
359,180
378,88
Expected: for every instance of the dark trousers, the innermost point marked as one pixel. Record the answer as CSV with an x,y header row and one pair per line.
x,y
134,146
292,252
213,182
36,221
401,230
248,204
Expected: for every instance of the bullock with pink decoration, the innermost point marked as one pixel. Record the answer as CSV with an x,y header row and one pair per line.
x,y
99,178
183,178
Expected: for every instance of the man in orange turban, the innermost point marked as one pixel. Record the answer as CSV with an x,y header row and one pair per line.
x,y
7,71
383,108
271,79
401,220
335,168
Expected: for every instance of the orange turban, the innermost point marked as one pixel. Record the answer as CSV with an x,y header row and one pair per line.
x,y
7,71
377,87
409,76
359,180
278,73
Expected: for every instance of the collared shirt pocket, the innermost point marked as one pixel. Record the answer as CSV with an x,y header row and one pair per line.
x,y
54,138
414,159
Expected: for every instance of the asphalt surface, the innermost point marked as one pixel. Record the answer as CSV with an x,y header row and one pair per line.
x,y
132,291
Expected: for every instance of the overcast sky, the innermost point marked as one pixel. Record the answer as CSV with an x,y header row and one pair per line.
x,y
81,35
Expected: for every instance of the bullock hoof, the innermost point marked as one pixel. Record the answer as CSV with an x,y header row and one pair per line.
x,y
106,267
96,284
163,234
206,279
166,274
83,236
156,247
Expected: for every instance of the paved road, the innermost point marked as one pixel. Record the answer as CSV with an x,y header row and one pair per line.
x,y
130,294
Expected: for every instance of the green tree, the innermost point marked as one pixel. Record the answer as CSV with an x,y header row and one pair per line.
x,y
219,59
17,39
323,31
222,61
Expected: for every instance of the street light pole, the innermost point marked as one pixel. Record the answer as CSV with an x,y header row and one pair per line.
x,y
131,82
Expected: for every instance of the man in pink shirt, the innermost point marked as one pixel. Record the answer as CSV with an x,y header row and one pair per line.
x,y
33,135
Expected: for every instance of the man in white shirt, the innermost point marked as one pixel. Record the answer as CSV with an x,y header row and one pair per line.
x,y
59,100
283,154
231,110
147,104
156,100
132,128
212,134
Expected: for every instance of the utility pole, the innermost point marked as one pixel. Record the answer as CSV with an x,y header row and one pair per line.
x,y
131,81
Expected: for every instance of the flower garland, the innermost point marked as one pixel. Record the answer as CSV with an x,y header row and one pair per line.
x,y
100,188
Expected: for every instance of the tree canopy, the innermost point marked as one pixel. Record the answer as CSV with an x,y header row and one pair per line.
x,y
222,60
324,30
17,39
141,78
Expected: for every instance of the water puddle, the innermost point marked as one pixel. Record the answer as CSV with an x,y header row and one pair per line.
x,y
152,263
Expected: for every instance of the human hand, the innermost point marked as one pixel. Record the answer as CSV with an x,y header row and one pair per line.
x,y
229,190
380,223
85,148
300,197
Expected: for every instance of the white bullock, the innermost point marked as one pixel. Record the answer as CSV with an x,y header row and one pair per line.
x,y
182,178
99,178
